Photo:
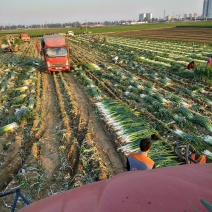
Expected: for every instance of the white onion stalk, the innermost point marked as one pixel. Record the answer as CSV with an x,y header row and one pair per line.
x,y
19,98
94,66
23,88
32,89
31,102
126,93
27,82
140,87
8,127
208,139
142,95
164,100
3,88
208,153
184,104
20,112
179,132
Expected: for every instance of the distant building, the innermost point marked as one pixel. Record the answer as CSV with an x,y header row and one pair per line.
x,y
145,17
142,17
207,9
149,16
169,18
190,15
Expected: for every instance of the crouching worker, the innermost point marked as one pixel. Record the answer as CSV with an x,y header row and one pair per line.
x,y
191,65
140,160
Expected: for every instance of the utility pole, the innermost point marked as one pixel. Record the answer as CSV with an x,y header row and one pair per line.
x,y
86,30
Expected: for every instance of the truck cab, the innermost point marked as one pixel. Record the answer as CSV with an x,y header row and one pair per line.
x,y
25,37
56,53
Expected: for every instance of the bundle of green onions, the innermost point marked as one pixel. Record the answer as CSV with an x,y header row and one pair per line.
x,y
8,127
90,66
94,92
208,153
162,154
19,99
128,127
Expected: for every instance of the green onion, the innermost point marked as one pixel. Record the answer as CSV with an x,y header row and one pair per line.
x,y
8,127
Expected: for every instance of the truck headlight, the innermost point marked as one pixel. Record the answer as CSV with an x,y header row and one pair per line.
x,y
67,63
48,64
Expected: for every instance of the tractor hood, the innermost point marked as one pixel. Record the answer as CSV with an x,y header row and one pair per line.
x,y
177,188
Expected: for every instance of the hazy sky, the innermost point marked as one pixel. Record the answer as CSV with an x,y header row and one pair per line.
x,y
63,11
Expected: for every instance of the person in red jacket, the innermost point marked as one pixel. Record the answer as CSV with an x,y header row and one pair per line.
x,y
140,160
209,61
191,65
37,47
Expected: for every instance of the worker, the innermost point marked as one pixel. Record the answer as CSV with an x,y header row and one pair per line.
x,y
140,160
191,65
37,47
10,47
11,40
209,61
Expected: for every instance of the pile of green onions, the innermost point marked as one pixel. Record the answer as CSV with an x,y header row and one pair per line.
x,y
128,127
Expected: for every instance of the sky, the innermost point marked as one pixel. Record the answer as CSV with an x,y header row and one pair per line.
x,y
27,12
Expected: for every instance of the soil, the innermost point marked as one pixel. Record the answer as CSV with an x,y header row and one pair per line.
x,y
202,35
101,136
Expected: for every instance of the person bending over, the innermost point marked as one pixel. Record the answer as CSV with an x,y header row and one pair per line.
x,y
191,65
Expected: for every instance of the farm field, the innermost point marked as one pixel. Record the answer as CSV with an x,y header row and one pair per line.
x,y
110,29
190,34
68,129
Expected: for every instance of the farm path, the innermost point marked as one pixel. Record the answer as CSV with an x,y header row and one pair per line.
x,y
101,137
49,146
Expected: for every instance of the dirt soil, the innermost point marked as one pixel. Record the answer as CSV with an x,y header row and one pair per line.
x,y
202,35
101,136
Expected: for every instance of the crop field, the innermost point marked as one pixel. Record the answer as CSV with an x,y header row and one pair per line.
x,y
63,130
203,35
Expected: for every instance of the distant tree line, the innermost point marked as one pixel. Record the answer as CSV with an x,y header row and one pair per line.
x,y
62,25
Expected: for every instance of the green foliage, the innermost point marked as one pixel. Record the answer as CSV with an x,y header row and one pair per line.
x,y
4,41
6,145
202,121
186,74
203,73
41,32
175,68
17,41
162,154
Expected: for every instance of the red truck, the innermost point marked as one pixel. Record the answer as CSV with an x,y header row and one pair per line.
x,y
25,37
56,53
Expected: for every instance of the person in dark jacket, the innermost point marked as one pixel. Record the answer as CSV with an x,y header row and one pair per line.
x,y
140,160
191,65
